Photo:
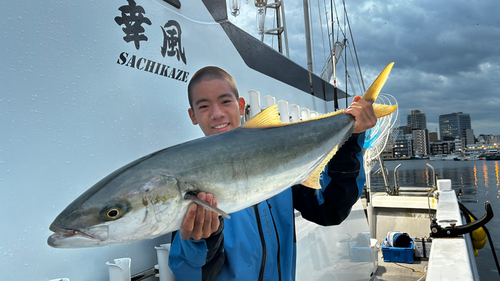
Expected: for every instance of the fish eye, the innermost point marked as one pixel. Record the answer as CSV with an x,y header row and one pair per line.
x,y
114,210
113,213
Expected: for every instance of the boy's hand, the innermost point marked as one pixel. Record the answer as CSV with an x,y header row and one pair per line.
x,y
362,110
199,222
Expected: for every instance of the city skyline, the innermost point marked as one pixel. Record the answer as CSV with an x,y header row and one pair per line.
x,y
455,135
414,113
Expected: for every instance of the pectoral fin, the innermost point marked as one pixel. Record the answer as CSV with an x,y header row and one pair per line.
x,y
192,196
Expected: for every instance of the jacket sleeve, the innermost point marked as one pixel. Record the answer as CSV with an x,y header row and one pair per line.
x,y
198,260
342,182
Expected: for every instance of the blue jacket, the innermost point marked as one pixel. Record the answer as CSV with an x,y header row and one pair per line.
x,y
251,244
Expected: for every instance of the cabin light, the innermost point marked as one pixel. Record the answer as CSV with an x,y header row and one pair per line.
x,y
261,20
261,15
260,3
235,7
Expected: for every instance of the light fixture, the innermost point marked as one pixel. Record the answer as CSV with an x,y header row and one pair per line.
x,y
235,7
261,15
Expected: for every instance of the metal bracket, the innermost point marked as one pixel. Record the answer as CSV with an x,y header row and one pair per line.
x,y
437,231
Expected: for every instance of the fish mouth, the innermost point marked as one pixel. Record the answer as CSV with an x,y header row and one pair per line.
x,y
71,238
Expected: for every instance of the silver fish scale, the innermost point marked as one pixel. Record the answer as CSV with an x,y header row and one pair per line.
x,y
240,168
246,166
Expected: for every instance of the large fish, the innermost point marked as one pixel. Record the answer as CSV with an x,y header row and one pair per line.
x,y
150,196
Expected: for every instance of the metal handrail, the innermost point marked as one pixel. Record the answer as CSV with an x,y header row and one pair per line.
x,y
397,188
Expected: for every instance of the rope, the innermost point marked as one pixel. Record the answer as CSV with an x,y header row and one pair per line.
x,y
377,137
354,46
327,28
321,29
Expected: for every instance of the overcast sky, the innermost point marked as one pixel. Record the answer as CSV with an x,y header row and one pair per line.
x,y
446,53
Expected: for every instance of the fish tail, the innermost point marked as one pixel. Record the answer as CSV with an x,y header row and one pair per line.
x,y
382,110
374,90
372,93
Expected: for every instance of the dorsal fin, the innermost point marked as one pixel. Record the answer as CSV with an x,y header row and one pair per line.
x,y
266,118
269,117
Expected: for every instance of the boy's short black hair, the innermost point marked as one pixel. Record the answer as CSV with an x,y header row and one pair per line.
x,y
210,73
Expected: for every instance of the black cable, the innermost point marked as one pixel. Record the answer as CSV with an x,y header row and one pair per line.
x,y
492,248
493,251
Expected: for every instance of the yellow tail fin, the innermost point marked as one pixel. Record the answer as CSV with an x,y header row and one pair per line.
x,y
382,110
374,90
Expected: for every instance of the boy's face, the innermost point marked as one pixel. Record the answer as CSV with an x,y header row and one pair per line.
x,y
215,107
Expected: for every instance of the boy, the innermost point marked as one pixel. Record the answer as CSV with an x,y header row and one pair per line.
x,y
258,243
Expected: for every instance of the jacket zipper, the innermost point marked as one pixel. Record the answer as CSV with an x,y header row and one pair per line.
x,y
261,233
277,239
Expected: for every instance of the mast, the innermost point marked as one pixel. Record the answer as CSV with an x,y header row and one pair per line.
x,y
308,35
335,97
308,42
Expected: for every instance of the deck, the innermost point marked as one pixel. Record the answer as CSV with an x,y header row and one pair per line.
x,y
391,271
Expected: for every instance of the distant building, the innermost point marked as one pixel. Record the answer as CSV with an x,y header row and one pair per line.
x,y
458,145
406,129
452,125
451,146
440,148
489,139
420,142
433,137
468,137
417,120
388,151
402,144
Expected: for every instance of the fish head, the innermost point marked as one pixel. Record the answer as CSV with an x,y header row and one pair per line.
x,y
129,207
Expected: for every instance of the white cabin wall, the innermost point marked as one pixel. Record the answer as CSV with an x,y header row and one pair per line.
x,y
70,114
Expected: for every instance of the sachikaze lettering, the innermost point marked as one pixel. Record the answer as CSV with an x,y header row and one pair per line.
x,y
152,67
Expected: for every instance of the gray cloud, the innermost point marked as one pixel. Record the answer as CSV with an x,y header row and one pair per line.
x,y
445,52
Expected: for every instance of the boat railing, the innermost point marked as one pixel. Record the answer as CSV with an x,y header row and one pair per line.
x,y
451,258
288,113
416,191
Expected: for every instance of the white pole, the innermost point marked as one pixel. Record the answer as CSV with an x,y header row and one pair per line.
x,y
283,110
120,270
295,112
165,274
254,102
